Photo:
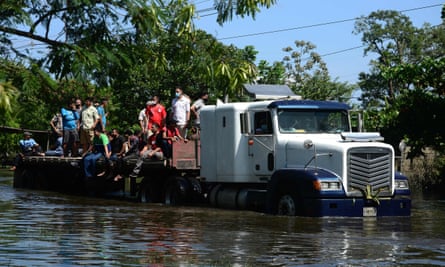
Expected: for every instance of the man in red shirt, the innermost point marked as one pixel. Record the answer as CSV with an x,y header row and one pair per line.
x,y
156,113
170,134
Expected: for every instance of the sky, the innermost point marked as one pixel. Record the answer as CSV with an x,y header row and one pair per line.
x,y
312,21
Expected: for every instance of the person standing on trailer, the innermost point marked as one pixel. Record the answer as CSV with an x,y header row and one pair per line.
x,y
103,113
89,119
156,113
181,111
197,105
70,121
143,120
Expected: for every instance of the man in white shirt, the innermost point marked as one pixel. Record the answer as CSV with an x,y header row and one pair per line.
x,y
143,120
181,111
197,105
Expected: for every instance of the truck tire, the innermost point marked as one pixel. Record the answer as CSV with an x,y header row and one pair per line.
x,y
284,198
287,205
176,191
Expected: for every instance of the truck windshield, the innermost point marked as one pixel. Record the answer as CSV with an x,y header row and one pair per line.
x,y
312,121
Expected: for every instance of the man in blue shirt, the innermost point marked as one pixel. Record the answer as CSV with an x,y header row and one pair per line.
x,y
70,121
102,113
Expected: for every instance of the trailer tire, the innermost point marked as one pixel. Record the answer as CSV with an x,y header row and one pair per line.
x,y
196,195
21,177
176,191
145,192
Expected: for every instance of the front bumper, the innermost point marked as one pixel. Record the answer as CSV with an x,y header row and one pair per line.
x,y
354,207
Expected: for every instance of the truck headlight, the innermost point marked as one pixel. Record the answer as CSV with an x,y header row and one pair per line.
x,y
401,184
327,185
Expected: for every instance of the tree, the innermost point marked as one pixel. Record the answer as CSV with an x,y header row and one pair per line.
x,y
420,115
92,30
406,81
226,8
125,50
8,93
394,39
275,74
308,75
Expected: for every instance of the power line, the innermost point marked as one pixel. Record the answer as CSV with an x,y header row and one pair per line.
x,y
316,25
288,29
294,28
342,51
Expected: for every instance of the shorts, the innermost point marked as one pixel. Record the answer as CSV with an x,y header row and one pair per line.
x,y
70,136
86,136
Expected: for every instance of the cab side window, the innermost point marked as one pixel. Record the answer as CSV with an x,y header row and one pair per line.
x,y
262,123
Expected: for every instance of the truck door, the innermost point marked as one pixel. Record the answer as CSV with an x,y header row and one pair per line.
x,y
261,146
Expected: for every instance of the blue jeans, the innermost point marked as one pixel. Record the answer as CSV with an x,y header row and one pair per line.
x,y
89,164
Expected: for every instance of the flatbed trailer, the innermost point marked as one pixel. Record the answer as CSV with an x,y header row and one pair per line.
x,y
65,174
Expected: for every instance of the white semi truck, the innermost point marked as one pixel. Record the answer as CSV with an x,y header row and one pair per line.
x,y
298,157
287,157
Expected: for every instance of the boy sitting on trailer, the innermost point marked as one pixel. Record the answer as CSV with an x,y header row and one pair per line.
x,y
99,148
152,150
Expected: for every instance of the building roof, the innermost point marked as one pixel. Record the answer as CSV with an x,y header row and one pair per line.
x,y
270,91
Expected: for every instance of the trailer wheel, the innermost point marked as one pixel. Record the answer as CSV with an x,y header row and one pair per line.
x,y
196,192
176,191
145,192
21,177
287,205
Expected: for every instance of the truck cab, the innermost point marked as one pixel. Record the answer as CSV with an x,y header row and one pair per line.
x,y
298,157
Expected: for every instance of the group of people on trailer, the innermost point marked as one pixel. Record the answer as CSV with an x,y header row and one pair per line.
x,y
81,132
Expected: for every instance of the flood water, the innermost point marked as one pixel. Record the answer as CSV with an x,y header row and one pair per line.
x,y
50,229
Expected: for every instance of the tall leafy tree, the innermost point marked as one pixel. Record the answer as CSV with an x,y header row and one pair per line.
x,y
227,8
271,74
406,83
392,37
308,75
133,46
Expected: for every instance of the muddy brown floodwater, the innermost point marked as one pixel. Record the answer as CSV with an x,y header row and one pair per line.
x,y
50,229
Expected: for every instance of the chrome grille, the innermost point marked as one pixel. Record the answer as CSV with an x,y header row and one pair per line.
x,y
370,166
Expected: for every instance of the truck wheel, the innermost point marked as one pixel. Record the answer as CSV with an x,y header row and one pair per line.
x,y
176,191
287,205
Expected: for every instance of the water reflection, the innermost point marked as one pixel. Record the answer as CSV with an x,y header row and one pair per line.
x,y
49,229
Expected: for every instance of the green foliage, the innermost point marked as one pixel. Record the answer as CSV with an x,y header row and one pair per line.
x,y
420,119
393,38
404,91
126,51
227,8
275,74
428,74
308,75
